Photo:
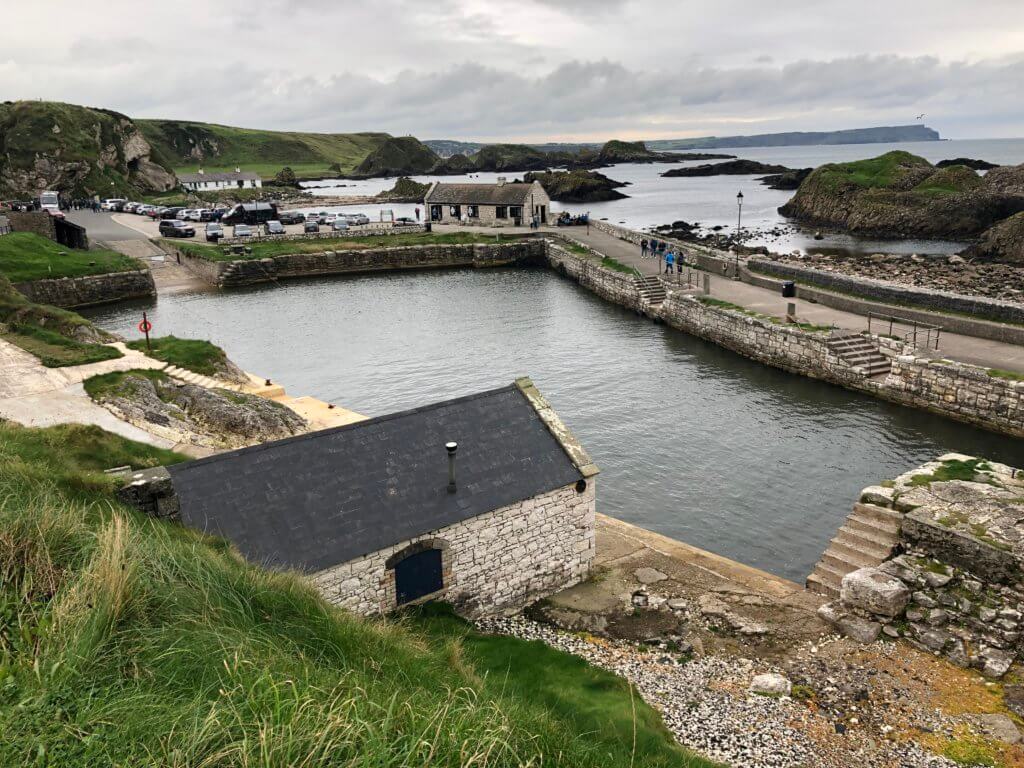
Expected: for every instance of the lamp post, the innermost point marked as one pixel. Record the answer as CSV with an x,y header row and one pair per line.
x,y
739,223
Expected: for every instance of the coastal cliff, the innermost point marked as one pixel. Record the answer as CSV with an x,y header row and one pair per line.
x,y
899,194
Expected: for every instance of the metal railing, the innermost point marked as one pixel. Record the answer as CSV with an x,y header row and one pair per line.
x,y
918,331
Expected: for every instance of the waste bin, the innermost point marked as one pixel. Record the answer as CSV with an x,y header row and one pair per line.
x,y
788,289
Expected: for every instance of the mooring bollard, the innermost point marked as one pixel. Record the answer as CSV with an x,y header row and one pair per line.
x,y
707,285
791,309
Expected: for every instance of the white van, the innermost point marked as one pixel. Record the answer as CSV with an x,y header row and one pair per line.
x,y
50,201
112,203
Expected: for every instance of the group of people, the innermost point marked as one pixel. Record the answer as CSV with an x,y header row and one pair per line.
x,y
659,249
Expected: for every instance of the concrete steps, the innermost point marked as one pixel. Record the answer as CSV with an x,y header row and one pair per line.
x,y
865,540
191,377
860,352
651,290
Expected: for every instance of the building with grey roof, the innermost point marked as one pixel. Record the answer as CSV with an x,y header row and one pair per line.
x,y
501,204
485,501
205,182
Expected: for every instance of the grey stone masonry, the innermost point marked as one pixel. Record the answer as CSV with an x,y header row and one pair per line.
x,y
495,563
955,585
70,292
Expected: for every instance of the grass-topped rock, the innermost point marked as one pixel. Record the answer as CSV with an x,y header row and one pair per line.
x,y
195,355
577,186
186,413
131,641
900,194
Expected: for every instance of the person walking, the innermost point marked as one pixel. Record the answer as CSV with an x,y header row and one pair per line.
x,y
643,248
654,247
670,261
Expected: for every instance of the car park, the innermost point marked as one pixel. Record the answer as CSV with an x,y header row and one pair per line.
x,y
273,227
214,232
176,228
310,227
242,230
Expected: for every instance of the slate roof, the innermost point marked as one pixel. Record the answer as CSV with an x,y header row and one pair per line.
x,y
317,500
226,176
479,194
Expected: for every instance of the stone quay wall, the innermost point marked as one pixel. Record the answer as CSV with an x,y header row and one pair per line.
x,y
495,563
954,585
241,272
373,229
959,391
71,292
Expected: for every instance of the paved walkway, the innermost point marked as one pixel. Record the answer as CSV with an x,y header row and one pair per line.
x,y
967,349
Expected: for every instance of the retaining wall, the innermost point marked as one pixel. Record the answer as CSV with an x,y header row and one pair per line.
x,y
252,271
71,292
373,229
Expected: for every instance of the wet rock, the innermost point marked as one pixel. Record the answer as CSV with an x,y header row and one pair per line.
x,y
771,684
874,591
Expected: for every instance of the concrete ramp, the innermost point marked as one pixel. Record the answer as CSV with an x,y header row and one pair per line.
x,y
146,250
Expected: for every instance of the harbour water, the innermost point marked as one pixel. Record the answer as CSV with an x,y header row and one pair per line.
x,y
711,200
693,441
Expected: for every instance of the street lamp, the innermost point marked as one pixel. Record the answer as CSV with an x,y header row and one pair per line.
x,y
739,222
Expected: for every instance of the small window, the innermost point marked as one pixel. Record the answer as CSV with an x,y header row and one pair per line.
x,y
473,211
516,212
501,212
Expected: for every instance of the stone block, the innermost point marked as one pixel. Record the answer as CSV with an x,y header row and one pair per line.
x,y
856,628
874,591
771,684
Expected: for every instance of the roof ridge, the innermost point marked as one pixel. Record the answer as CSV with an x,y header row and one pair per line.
x,y
343,428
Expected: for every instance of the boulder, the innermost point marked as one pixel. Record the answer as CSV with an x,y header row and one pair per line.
x,y
999,727
854,627
874,591
771,684
995,662
649,575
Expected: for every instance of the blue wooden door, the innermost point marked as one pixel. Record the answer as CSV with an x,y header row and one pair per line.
x,y
418,575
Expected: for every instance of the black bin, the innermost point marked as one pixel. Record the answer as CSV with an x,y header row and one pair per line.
x,y
788,289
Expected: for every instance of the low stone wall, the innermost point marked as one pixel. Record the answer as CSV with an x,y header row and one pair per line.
x,y
71,292
37,222
359,230
617,287
242,272
496,563
894,293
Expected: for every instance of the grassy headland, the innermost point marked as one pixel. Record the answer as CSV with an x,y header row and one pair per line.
x,y
130,641
25,256
265,248
194,355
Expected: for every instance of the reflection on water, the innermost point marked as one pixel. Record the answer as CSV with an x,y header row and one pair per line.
x,y
693,441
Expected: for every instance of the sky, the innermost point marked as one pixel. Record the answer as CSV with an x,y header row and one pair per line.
x,y
530,70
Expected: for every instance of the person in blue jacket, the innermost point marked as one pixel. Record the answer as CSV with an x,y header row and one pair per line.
x,y
670,260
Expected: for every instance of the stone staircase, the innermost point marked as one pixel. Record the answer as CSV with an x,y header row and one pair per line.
x,y
866,539
651,290
858,351
190,377
247,272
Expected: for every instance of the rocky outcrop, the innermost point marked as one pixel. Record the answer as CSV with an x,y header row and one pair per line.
x,y
976,165
728,168
632,152
901,195
1003,242
577,186
192,414
75,150
789,180
405,191
398,156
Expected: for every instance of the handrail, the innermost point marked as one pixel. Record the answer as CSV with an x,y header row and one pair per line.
x,y
909,337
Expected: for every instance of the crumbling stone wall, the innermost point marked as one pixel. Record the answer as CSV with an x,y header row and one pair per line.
x,y
496,563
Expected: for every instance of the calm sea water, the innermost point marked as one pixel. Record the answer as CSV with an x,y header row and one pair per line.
x,y
711,200
693,441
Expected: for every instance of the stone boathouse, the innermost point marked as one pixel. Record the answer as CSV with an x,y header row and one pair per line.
x,y
368,511
496,205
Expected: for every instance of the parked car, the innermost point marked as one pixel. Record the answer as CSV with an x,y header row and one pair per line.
x,y
357,218
404,221
214,232
339,225
173,213
310,227
157,212
242,230
111,204
129,207
291,217
329,219
251,213
217,214
176,228
273,227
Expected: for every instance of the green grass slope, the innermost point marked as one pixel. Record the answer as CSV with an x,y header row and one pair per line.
x,y
186,146
25,256
129,641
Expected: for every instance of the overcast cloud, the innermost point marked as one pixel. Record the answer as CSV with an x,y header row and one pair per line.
x,y
534,69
